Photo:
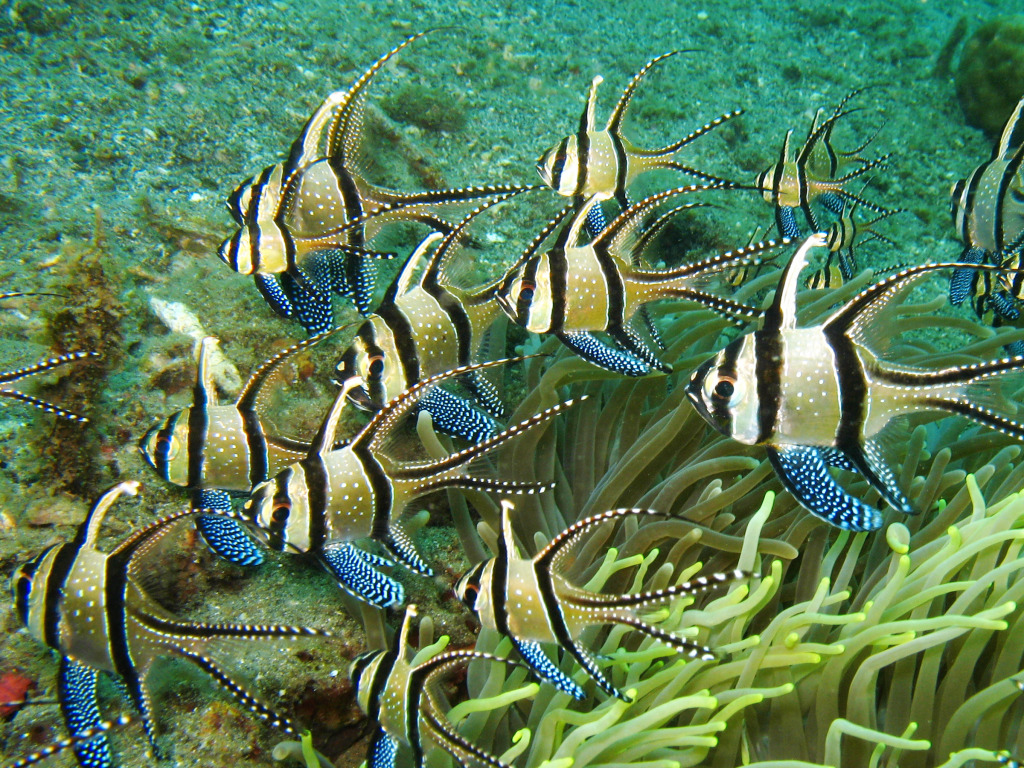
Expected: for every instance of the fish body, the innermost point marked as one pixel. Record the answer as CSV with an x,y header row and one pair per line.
x,y
816,173
603,163
529,601
338,495
90,607
305,224
399,699
820,397
425,326
215,450
575,287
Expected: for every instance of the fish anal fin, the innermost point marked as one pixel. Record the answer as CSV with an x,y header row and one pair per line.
x,y
803,473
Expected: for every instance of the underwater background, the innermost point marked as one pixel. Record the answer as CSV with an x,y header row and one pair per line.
x,y
126,125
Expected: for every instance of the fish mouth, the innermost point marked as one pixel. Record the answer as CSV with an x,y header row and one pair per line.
x,y
695,392
361,399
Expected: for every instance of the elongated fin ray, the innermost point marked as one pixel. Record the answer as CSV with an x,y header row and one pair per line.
x,y
619,113
781,315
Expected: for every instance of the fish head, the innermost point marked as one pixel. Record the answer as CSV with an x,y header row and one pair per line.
x,y
468,589
559,166
163,448
525,294
720,391
956,196
276,511
381,374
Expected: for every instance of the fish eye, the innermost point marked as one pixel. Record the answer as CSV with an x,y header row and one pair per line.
x,y
525,291
723,388
280,511
376,366
165,445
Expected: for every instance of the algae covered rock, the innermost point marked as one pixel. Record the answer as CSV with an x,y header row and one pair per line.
x,y
990,78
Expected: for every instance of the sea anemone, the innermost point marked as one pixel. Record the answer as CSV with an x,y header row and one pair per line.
x,y
900,645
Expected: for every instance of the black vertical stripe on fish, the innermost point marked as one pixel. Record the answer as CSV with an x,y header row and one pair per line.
x,y
115,584
318,483
615,289
769,352
404,338
256,445
853,390
499,586
350,198
582,158
198,433
558,278
380,485
281,511
459,319
966,212
164,440
621,169
525,299
1005,181
56,580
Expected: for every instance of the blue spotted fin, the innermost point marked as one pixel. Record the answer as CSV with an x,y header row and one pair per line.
x,y
356,571
226,537
803,473
76,689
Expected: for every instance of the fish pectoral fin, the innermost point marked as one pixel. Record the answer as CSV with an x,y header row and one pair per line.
x,y
76,689
399,545
593,350
455,416
226,537
546,669
804,474
868,461
355,570
382,751
273,292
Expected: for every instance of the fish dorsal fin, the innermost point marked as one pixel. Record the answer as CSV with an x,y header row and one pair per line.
x,y
444,268
323,441
272,192
250,398
402,647
508,539
205,393
620,233
858,318
91,527
405,278
570,236
338,117
619,113
587,118
781,315
1012,137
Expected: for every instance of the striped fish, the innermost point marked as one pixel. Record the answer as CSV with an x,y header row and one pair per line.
x,y
576,288
16,375
821,397
817,173
527,600
403,708
604,163
310,219
335,496
89,607
425,327
215,449
988,214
